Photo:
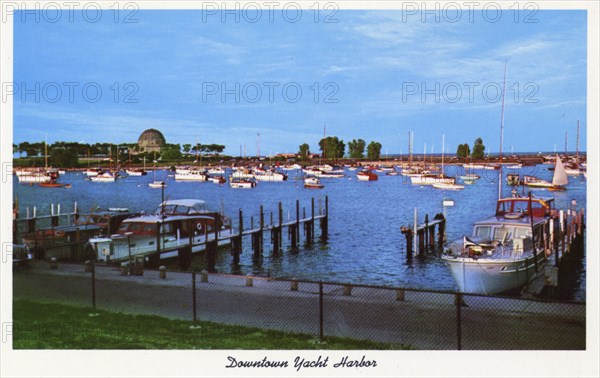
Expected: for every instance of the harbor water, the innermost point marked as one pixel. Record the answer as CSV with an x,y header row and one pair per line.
x,y
365,245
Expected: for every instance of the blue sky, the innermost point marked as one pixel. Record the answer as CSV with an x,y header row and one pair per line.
x,y
370,67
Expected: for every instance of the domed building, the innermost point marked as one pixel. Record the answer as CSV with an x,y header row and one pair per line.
x,y
151,140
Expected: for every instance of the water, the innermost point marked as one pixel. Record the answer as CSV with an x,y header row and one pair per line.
x,y
365,245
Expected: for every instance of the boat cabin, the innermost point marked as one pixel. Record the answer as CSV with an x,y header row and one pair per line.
x,y
518,207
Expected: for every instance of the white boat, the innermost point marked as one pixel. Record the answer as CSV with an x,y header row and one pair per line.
x,y
177,224
36,176
328,174
514,166
502,252
430,179
269,175
192,175
367,175
103,177
157,184
217,179
447,186
216,171
313,183
469,178
473,166
241,183
136,172
242,173
91,172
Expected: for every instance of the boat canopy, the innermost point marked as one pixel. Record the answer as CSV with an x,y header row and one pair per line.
x,y
182,207
540,207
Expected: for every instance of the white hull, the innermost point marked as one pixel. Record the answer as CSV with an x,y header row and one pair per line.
x,y
430,180
103,178
270,177
445,186
490,276
35,178
191,176
157,184
146,245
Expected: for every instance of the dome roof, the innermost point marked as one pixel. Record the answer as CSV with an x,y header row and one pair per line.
x,y
152,136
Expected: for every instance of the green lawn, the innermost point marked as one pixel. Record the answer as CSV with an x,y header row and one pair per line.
x,y
57,326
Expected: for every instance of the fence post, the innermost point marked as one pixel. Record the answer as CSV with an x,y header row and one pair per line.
x,y
321,311
194,295
458,301
93,285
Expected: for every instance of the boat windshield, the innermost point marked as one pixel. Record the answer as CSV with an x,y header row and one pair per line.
x,y
138,228
483,232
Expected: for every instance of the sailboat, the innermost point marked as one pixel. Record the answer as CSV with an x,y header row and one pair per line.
x,y
156,184
559,180
445,184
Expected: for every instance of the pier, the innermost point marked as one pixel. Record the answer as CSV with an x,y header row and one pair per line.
x,y
426,239
64,235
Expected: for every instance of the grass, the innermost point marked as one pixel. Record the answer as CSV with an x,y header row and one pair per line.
x,y
56,326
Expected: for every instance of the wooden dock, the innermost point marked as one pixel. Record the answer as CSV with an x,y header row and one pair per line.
x,y
210,243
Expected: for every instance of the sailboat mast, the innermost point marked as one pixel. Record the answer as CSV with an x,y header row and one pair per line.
x,y
577,146
443,148
501,134
46,152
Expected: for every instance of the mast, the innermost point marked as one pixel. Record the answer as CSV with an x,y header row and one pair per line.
x,y
577,146
443,148
566,140
501,134
46,152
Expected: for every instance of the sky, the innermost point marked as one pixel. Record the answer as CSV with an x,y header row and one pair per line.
x,y
291,77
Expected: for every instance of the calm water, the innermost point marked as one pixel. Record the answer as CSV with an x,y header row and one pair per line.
x,y
365,244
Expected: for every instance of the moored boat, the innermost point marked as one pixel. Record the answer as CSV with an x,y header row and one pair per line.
x,y
448,186
241,183
313,183
367,175
502,253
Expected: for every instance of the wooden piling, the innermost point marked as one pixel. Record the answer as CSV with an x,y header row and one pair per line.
x,y
408,233
324,222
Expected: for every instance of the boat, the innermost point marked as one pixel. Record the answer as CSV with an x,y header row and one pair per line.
x,y
469,178
448,186
175,225
156,184
36,176
51,184
559,179
103,177
328,174
191,175
217,179
91,172
270,175
430,179
136,172
64,242
241,183
504,250
313,183
367,175
473,166
242,173
514,166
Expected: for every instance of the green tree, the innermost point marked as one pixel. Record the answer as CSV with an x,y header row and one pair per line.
x,y
356,148
332,147
171,153
374,150
187,147
64,158
478,149
304,150
463,151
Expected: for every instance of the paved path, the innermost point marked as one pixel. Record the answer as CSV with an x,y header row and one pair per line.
x,y
423,320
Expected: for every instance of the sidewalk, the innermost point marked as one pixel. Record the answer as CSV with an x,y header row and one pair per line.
x,y
425,320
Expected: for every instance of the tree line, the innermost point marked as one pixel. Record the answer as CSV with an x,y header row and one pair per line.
x,y
334,148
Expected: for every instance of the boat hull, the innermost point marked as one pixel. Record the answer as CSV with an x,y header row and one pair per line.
x,y
490,276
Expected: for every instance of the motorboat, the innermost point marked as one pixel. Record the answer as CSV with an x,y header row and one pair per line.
x,y
367,175
430,179
313,183
36,176
241,183
176,224
269,175
217,179
136,172
191,175
504,250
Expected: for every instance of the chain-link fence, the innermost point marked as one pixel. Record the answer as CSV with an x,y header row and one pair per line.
x,y
402,318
